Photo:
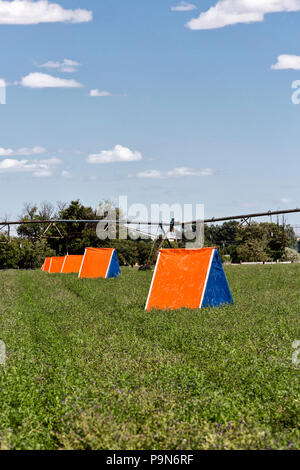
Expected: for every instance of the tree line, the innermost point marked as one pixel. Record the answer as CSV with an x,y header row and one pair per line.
x,y
253,242
30,245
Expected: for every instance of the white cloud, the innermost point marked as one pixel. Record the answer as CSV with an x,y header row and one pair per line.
x,y
184,6
151,174
2,82
285,200
96,93
21,152
39,168
43,80
179,172
230,12
66,174
175,173
66,66
40,11
118,154
285,62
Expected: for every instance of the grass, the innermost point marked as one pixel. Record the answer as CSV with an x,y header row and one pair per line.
x,y
88,368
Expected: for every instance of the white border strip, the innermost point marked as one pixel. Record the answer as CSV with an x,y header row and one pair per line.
x,y
49,270
109,263
206,280
152,281
82,263
61,271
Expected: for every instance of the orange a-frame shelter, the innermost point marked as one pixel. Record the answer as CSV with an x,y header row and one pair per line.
x,y
99,262
46,264
56,264
72,264
188,279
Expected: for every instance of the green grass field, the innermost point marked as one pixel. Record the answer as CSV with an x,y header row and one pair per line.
x,y
88,368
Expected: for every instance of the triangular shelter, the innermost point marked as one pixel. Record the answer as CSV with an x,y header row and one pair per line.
x,y
56,264
99,262
188,279
46,264
72,264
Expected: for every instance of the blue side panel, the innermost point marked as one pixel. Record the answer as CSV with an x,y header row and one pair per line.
x,y
114,268
217,290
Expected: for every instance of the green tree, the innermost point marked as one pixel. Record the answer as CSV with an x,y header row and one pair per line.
x,y
10,253
277,240
33,253
292,237
32,213
252,251
261,242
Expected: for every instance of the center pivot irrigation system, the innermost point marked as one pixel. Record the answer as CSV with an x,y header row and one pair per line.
x,y
245,219
164,229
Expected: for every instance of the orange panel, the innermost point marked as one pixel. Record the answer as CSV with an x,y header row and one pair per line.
x,y
179,278
72,264
46,264
56,264
95,262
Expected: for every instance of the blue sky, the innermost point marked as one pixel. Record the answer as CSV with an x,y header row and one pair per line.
x,y
196,115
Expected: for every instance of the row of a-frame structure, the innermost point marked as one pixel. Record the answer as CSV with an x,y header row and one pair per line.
x,y
182,278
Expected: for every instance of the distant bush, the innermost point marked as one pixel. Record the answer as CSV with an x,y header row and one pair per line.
x,y
291,255
20,253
